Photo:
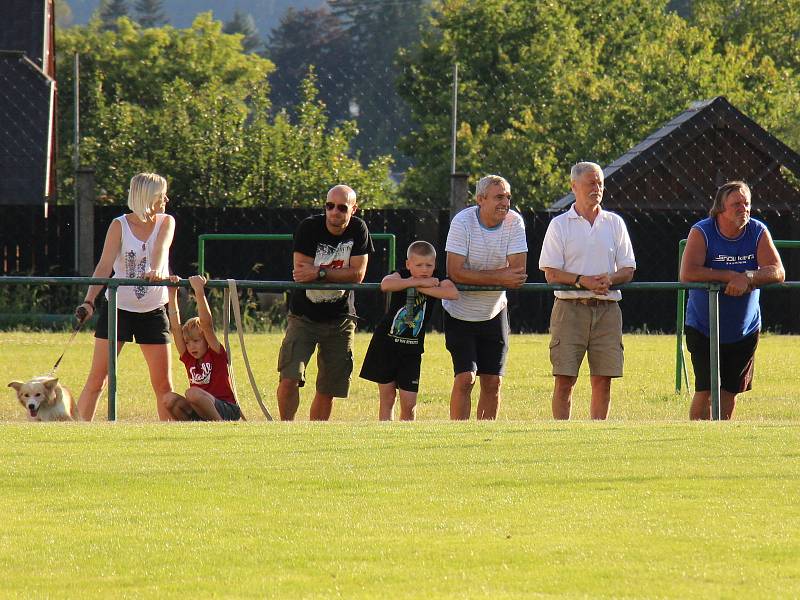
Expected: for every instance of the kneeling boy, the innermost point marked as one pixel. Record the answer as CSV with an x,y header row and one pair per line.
x,y
210,396
395,352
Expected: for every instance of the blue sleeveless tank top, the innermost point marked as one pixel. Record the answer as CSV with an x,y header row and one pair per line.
x,y
738,317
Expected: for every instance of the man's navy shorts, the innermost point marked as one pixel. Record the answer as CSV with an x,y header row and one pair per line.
x,y
477,346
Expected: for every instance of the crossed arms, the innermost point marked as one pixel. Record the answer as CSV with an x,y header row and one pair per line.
x,y
511,276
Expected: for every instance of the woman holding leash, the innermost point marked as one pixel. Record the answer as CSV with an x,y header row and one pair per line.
x,y
136,246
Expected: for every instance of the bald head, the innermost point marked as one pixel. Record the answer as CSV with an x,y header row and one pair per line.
x,y
342,193
339,208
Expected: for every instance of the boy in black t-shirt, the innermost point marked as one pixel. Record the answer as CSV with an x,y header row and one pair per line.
x,y
395,351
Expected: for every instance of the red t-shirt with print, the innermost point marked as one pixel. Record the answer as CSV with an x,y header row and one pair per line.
x,y
210,373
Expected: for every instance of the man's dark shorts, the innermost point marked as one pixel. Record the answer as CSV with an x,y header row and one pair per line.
x,y
384,363
477,346
150,327
227,410
736,362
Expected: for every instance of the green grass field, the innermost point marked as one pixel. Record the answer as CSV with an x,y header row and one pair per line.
x,y
645,505
646,393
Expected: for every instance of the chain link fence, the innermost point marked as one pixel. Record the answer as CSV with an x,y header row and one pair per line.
x,y
26,115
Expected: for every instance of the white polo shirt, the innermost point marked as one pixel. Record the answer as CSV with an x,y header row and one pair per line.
x,y
574,245
484,249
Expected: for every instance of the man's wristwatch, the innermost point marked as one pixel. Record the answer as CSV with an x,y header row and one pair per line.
x,y
750,276
321,273
577,283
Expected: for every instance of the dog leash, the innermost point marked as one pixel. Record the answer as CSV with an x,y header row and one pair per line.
x,y
75,331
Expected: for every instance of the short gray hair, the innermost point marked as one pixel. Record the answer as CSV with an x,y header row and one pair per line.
x,y
580,168
488,181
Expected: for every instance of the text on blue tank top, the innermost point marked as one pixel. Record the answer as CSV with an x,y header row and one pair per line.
x,y
738,316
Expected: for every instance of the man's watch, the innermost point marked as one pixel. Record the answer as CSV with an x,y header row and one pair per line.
x,y
750,276
322,273
577,281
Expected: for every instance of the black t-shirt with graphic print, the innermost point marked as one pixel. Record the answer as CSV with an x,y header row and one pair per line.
x,y
329,251
405,323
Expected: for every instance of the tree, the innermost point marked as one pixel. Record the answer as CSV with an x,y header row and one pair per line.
x,y
543,85
312,38
377,30
768,29
63,13
244,25
111,10
150,13
190,104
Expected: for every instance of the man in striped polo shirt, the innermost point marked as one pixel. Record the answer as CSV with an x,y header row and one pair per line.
x,y
486,246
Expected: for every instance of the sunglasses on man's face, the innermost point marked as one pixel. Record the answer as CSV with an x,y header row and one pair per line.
x,y
342,208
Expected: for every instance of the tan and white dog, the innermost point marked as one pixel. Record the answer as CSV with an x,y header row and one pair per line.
x,y
45,400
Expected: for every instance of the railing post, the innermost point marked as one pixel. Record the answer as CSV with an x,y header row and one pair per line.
x,y
112,352
84,217
392,253
459,193
713,330
201,254
679,324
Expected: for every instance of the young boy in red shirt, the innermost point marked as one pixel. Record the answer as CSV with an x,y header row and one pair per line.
x,y
210,396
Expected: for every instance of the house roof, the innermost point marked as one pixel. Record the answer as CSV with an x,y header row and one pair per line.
x,y
672,148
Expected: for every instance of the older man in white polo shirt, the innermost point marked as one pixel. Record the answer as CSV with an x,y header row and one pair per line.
x,y
589,249
485,246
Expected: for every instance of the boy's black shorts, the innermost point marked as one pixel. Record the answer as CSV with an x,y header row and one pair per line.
x,y
227,410
383,363
146,328
736,362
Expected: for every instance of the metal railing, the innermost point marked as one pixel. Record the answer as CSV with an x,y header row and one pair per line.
x,y
114,284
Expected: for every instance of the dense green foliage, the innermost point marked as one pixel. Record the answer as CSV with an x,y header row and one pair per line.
x,y
190,104
544,84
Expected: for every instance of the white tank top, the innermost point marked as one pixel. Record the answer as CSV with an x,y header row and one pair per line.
x,y
132,262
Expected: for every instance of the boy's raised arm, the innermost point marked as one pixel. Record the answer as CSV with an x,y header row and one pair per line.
x,y
198,283
173,312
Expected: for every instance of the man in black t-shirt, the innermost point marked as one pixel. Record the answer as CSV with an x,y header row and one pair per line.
x,y
334,248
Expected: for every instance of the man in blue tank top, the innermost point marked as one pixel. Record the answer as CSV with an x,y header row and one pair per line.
x,y
731,248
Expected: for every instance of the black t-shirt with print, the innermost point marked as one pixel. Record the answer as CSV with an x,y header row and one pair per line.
x,y
404,326
329,251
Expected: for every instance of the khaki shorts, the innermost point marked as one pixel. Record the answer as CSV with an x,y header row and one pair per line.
x,y
334,358
576,329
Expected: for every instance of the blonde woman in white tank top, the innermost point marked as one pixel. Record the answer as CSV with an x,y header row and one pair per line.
x,y
136,246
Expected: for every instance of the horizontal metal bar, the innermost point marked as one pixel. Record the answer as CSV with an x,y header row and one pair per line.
x,y
292,285
270,236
